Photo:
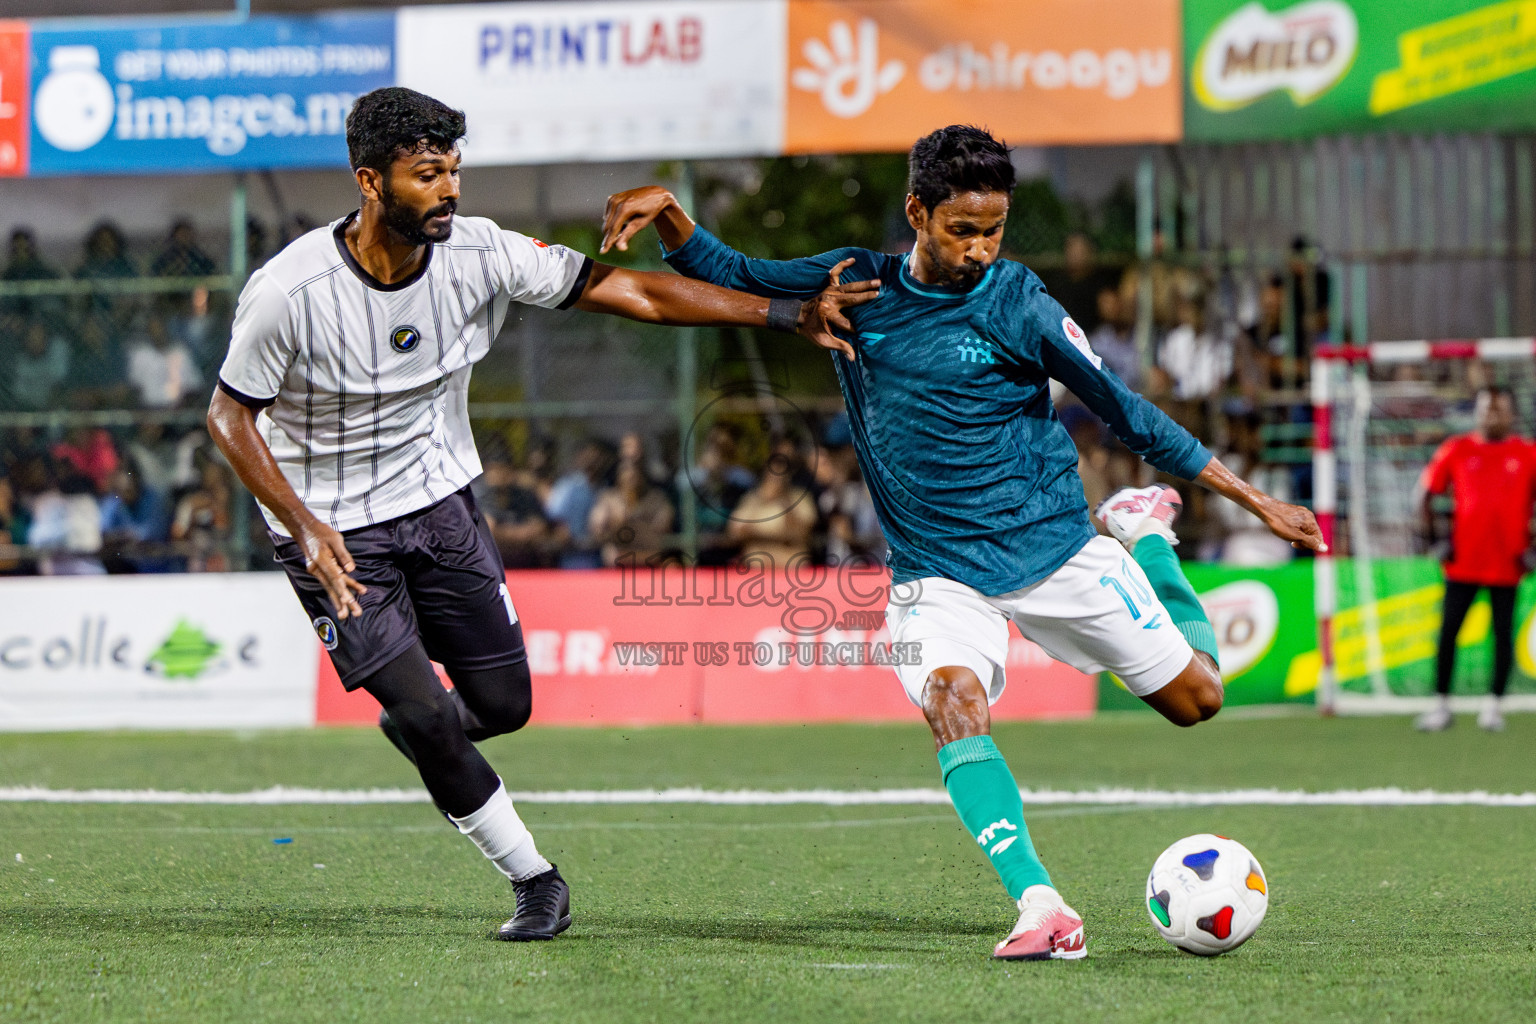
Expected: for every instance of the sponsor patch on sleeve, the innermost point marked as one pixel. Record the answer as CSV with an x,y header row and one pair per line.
x,y
1076,336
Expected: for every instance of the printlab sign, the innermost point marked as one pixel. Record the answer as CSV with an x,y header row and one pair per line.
x,y
174,651
603,81
271,92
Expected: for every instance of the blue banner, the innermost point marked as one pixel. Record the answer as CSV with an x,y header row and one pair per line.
x,y
267,92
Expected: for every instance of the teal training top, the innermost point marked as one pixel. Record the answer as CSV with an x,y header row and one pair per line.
x,y
973,476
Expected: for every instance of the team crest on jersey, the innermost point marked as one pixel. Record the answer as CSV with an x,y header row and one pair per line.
x,y
1079,341
325,629
405,339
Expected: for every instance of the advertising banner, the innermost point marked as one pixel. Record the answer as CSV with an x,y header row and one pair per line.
x,y
1393,638
879,74
620,647
267,92
1266,633
15,98
1271,69
166,652
543,82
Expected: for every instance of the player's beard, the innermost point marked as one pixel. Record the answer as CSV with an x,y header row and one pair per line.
x,y
411,226
964,276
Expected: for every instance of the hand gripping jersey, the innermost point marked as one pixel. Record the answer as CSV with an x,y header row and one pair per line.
x,y
365,384
973,477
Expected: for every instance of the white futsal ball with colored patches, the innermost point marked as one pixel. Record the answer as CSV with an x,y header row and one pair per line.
x,y
1207,894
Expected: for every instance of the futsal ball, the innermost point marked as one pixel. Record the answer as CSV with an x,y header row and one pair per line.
x,y
1207,894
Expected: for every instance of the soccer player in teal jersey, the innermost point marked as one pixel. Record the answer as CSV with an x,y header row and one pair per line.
x,y
946,380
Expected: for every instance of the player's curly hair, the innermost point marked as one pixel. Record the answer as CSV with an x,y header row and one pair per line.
x,y
389,122
960,158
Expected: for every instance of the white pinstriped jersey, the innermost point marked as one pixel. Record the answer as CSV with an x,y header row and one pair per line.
x,y
365,385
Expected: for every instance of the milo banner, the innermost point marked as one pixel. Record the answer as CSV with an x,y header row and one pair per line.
x,y
1385,634
1268,69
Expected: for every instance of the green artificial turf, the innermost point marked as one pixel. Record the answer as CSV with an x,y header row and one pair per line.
x,y
685,912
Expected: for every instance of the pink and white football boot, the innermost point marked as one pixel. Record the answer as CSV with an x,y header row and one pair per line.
x,y
1135,512
1048,929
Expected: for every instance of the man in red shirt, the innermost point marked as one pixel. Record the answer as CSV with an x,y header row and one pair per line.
x,y
1491,476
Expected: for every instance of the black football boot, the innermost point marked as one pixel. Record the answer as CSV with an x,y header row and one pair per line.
x,y
543,909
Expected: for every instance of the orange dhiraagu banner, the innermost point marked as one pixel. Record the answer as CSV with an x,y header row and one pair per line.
x,y
879,74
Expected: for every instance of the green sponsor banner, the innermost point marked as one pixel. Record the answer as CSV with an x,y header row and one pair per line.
x,y
1268,69
1385,633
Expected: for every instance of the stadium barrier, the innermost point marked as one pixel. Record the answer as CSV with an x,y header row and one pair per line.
x,y
1268,636
617,647
608,647
154,652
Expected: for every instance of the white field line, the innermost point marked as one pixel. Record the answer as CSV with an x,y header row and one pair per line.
x,y
569,826
282,795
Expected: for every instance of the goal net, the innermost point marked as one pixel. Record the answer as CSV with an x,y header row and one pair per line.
x,y
1379,413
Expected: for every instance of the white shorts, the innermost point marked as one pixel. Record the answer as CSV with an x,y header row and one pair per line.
x,y
1096,613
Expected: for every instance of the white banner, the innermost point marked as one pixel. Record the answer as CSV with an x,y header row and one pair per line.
x,y
171,652
542,82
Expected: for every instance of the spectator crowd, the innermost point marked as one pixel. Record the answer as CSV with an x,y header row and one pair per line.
x,y
1227,356
152,496
617,505
155,496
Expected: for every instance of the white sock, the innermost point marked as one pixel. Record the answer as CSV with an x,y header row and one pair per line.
x,y
502,837
1148,528
1444,703
1043,893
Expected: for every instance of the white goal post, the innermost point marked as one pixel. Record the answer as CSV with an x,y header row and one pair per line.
x,y
1349,386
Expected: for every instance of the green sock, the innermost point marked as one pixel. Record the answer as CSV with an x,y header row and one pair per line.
x,y
1155,556
987,799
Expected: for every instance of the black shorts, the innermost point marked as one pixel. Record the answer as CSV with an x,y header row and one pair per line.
x,y
433,576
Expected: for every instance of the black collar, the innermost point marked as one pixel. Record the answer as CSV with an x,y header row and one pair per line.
x,y
340,234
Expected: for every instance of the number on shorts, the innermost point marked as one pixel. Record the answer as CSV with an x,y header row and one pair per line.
x,y
1125,592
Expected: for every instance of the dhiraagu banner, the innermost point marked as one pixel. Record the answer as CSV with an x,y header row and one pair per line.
x,y
1385,634
1270,69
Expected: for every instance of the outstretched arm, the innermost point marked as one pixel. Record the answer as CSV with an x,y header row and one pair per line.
x,y
680,301
1286,521
694,252
1152,434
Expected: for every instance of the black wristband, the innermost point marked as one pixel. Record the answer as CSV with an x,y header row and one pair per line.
x,y
784,315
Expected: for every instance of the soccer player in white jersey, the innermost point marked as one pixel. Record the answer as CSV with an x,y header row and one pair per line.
x,y
356,341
